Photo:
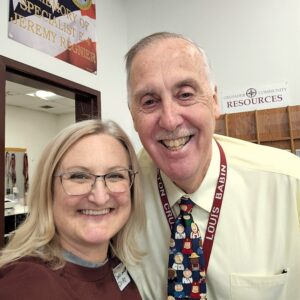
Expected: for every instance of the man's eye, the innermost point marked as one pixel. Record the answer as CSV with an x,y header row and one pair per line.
x,y
148,104
186,95
187,98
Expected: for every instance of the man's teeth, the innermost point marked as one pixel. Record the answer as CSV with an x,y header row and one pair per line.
x,y
92,212
176,144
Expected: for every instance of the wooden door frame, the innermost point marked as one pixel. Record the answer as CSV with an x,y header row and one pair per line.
x,y
87,106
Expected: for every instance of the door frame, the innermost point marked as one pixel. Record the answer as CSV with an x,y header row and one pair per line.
x,y
87,106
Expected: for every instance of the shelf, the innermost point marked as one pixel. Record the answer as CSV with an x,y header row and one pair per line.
x,y
242,125
275,139
297,143
276,127
221,125
273,124
18,209
286,145
295,121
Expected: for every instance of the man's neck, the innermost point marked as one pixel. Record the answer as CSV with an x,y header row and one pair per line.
x,y
191,185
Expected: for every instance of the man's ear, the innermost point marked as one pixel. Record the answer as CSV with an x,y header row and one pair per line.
x,y
216,105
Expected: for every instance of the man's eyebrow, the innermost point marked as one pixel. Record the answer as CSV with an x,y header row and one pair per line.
x,y
190,82
143,92
186,82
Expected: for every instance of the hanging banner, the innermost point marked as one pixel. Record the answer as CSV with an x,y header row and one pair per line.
x,y
255,98
65,29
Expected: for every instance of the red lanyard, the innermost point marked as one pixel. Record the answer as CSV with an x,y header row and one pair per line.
x,y
214,212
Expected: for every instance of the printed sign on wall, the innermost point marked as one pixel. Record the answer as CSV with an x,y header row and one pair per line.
x,y
255,98
65,29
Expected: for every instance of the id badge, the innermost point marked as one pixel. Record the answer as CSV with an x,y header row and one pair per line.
x,y
121,275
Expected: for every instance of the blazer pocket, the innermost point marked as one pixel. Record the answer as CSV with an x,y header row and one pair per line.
x,y
250,287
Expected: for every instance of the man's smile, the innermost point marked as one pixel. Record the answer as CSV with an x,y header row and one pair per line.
x,y
176,144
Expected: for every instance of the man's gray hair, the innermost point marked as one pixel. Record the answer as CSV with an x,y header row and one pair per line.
x,y
159,36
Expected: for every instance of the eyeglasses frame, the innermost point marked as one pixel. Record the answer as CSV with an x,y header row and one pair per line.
x,y
132,175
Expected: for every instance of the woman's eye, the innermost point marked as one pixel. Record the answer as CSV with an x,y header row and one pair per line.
x,y
115,176
79,176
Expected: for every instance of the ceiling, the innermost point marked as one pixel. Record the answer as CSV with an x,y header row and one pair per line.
x,y
16,95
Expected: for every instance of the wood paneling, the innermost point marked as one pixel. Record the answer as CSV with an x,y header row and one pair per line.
x,y
276,127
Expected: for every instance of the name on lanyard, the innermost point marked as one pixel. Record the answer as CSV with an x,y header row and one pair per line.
x,y
166,205
216,208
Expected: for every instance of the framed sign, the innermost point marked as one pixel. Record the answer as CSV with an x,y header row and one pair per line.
x,y
255,98
65,29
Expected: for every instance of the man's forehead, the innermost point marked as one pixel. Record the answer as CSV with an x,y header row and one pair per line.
x,y
166,58
176,46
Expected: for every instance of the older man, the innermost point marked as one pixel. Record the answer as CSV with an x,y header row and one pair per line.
x,y
246,198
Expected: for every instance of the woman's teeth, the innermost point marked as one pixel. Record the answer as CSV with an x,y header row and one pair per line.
x,y
92,212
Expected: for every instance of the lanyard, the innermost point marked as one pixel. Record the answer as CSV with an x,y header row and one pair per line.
x,y
214,212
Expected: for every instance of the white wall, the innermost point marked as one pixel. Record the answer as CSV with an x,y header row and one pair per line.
x,y
112,33
248,42
111,47
64,120
25,128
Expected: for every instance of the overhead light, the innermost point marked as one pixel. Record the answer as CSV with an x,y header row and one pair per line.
x,y
45,95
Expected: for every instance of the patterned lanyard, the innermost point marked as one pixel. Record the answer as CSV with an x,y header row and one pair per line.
x,y
214,212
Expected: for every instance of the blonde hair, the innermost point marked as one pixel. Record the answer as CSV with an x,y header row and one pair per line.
x,y
37,236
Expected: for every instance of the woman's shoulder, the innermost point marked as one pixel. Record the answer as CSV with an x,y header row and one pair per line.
x,y
25,266
18,278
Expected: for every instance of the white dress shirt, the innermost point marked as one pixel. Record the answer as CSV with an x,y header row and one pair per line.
x,y
256,251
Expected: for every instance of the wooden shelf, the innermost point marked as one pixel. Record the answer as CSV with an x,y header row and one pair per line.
x,y
295,121
246,128
276,127
275,139
273,124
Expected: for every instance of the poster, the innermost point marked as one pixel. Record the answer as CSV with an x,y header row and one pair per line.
x,y
255,98
65,29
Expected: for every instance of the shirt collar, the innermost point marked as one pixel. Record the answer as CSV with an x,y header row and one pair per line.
x,y
70,257
203,196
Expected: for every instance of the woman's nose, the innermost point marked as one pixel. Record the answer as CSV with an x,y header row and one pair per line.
x,y
99,192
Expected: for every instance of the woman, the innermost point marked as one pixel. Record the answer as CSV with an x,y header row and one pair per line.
x,y
84,211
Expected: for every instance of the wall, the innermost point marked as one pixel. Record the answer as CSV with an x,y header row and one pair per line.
x,y
33,134
112,33
111,47
64,120
248,42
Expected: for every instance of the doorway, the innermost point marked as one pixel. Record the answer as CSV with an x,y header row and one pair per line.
x,y
35,97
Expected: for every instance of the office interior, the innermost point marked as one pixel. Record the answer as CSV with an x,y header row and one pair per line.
x,y
248,43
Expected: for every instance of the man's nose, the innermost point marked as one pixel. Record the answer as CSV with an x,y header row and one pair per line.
x,y
170,117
